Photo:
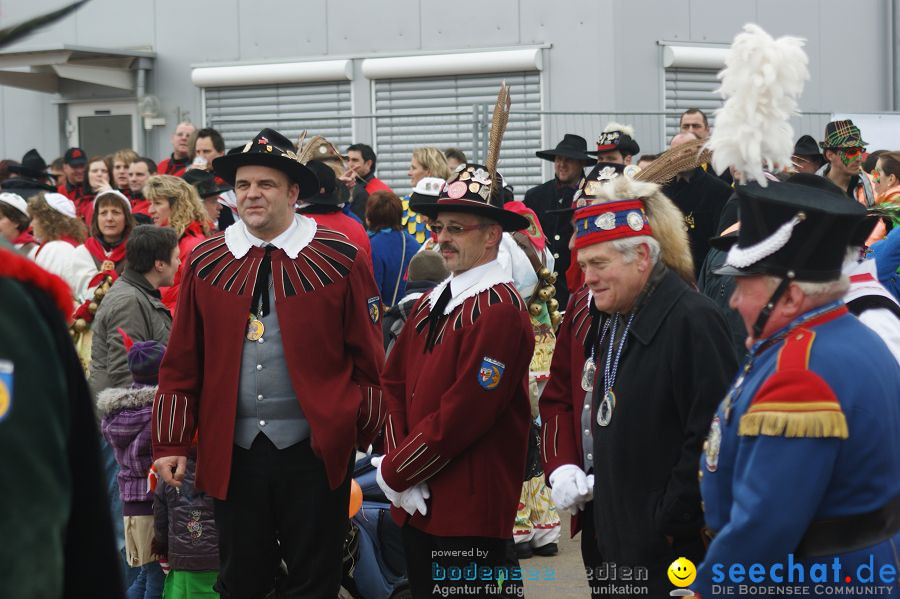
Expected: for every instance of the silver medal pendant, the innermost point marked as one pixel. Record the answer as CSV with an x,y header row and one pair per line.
x,y
587,375
606,408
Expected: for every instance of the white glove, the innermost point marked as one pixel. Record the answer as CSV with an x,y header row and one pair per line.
x,y
413,499
392,495
570,488
410,500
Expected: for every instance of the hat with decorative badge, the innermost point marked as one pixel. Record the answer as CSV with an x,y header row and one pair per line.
x,y
272,149
600,173
622,207
478,189
842,134
617,136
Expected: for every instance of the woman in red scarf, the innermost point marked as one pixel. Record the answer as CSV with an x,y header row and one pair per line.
x,y
174,203
104,250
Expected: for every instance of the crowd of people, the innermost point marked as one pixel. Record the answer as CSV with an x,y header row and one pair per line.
x,y
568,352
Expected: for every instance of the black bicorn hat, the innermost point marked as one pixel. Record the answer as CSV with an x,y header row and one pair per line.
x,y
792,230
205,182
471,190
616,140
272,149
32,166
572,146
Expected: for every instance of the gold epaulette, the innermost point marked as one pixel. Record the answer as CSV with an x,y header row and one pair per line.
x,y
794,401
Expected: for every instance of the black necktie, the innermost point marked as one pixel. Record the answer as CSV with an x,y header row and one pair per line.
x,y
434,317
261,287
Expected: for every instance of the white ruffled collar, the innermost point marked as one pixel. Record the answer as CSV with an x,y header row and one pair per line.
x,y
301,232
470,283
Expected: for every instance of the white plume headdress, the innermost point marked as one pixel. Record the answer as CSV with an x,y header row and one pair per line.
x,y
614,126
762,79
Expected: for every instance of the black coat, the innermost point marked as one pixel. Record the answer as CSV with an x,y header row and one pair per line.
x,y
557,227
701,199
674,370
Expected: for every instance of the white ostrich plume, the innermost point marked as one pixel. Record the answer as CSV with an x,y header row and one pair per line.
x,y
761,82
614,126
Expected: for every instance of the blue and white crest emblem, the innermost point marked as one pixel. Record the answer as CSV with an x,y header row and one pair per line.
x,y
374,309
490,373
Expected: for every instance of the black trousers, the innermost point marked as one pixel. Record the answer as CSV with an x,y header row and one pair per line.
x,y
591,556
280,507
445,563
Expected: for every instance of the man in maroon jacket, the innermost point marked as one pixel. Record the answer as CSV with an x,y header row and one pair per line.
x,y
273,361
458,410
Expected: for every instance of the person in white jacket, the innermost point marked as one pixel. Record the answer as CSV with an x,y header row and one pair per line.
x,y
59,232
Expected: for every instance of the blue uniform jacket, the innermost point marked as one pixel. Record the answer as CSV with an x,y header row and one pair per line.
x,y
764,482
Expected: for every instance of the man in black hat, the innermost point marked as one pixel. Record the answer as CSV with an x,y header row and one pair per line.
x,y
806,157
326,208
282,389
458,410
210,189
813,410
29,177
616,144
569,159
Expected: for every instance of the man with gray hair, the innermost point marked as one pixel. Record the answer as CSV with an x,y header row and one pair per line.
x,y
802,457
641,361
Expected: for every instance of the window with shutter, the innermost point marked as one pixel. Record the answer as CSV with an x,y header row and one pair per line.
x,y
690,88
445,112
238,113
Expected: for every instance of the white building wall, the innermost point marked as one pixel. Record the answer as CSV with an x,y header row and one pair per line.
x,y
602,55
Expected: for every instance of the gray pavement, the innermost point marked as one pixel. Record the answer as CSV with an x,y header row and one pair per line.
x,y
565,569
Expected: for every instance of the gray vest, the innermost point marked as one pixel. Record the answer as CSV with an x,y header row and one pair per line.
x,y
267,402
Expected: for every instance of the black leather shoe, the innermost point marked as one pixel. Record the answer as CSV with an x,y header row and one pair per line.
x,y
546,550
523,550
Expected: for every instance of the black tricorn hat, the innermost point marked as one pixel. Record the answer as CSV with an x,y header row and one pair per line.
x,y
471,190
32,166
272,149
327,182
792,230
205,182
572,146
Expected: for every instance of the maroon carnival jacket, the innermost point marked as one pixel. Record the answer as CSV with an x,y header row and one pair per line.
x,y
329,315
458,416
563,398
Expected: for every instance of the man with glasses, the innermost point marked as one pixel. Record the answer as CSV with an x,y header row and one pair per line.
x,y
844,152
456,390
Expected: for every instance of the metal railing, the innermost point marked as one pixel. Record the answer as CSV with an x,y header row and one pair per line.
x,y
395,135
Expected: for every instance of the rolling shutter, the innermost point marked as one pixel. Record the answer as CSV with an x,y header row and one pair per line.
x,y
239,113
441,112
689,88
